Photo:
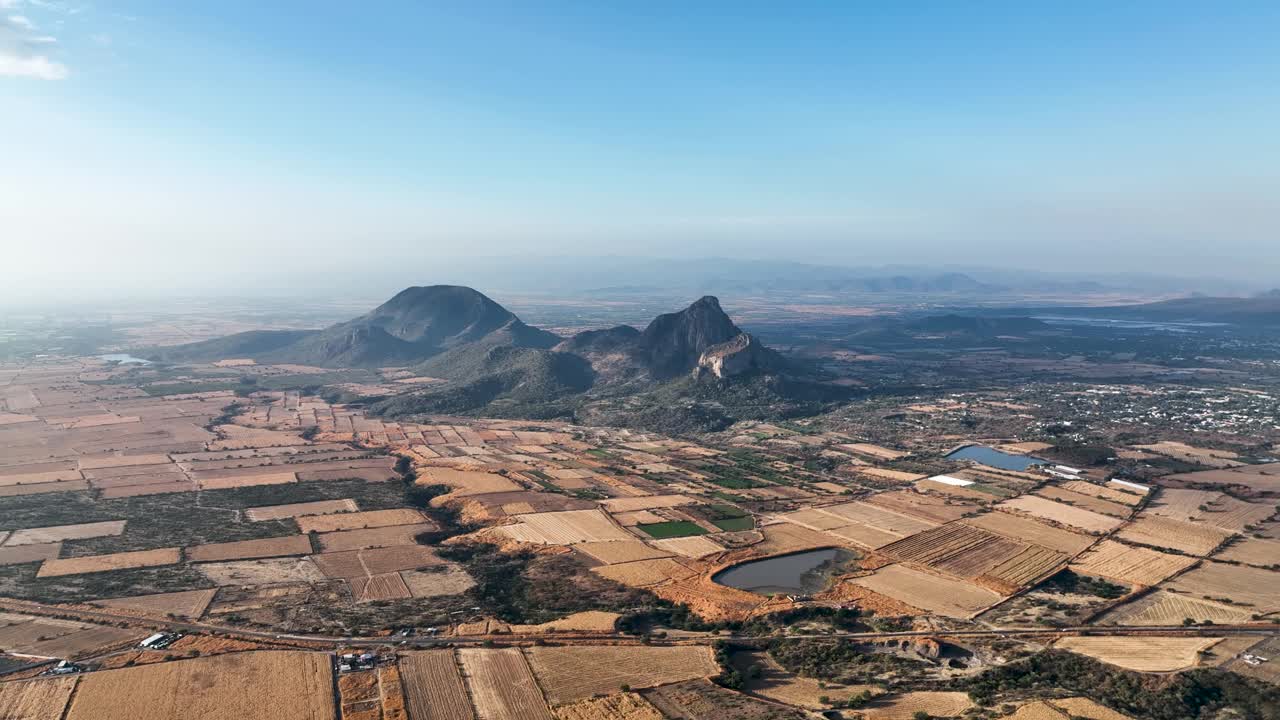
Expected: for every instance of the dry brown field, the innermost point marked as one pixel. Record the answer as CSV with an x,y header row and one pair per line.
x,y
904,706
1162,608
298,684
570,673
35,699
1144,654
358,696
696,546
375,561
1256,588
502,686
565,528
703,700
879,518
1061,513
251,549
1106,493
587,621
465,482
649,502
1251,551
29,553
1193,538
1022,569
927,507
88,641
1181,503
450,580
387,586
292,510
262,572
391,535
644,573
44,488
150,489
239,481
24,634
783,537
360,520
114,561
188,604
895,476
1198,456
40,478
1088,502
875,451
611,553
433,686
623,706
40,536
944,596
1082,707
1128,564
1262,478
955,549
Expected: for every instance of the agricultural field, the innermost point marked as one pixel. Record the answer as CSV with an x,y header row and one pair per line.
x,y
568,674
955,549
433,686
295,510
703,700
502,686
300,685
671,529
1129,564
35,699
1253,588
611,707
1062,514
1145,654
106,563
188,604
1163,608
250,549
905,706
935,593
1191,538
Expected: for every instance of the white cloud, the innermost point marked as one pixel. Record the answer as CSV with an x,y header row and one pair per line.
x,y
23,52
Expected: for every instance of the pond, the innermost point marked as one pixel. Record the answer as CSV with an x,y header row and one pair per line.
x,y
802,573
995,458
124,359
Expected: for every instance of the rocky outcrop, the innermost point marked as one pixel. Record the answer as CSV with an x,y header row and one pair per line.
x,y
741,354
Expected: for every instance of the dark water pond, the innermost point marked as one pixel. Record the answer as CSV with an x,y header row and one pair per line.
x,y
801,573
995,458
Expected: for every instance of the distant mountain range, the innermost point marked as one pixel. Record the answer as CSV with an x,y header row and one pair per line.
x,y
490,357
1258,311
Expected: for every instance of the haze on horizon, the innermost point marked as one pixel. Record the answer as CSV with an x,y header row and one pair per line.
x,y
197,145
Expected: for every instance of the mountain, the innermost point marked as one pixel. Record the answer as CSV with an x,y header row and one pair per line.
x,y
415,325
694,364
672,343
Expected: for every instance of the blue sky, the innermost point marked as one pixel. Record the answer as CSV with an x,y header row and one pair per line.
x,y
138,135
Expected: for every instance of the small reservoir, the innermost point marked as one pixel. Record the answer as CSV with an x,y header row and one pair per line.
x,y
802,573
995,458
124,359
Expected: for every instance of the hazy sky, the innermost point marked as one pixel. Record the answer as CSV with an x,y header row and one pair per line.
x,y
158,144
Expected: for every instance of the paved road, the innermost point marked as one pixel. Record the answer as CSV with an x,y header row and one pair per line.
x,y
330,642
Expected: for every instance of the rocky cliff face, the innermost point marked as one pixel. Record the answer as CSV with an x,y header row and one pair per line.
x,y
673,343
741,354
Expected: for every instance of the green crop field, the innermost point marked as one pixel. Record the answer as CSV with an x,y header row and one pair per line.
x,y
672,529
